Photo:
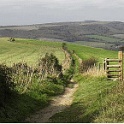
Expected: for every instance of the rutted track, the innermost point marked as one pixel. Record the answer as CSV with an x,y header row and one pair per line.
x,y
58,104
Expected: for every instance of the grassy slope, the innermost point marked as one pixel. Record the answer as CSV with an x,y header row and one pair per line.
x,y
21,105
85,52
101,41
97,99
89,101
27,50
104,38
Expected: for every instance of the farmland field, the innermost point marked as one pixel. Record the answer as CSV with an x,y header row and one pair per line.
x,y
97,99
109,42
22,50
119,35
95,44
30,51
104,38
85,52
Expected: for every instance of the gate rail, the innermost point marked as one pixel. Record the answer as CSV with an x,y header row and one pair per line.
x,y
114,67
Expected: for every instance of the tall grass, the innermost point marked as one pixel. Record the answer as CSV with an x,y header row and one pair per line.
x,y
113,106
94,72
96,100
89,101
87,64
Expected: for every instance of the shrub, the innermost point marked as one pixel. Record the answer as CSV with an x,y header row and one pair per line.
x,y
12,39
87,64
49,66
22,67
6,84
22,76
64,46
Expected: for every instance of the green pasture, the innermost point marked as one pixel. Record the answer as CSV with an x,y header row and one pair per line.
x,y
104,38
25,50
95,44
97,99
85,52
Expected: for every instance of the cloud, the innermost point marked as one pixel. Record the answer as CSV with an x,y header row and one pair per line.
x,y
42,11
64,3
104,3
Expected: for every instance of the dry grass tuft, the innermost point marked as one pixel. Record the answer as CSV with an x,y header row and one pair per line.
x,y
94,72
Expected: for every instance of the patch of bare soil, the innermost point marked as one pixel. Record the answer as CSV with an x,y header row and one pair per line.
x,y
58,104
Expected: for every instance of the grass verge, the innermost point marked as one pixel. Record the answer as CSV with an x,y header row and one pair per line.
x,y
96,100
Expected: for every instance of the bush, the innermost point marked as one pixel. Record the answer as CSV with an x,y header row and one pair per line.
x,y
21,67
49,66
86,64
6,84
22,76
12,39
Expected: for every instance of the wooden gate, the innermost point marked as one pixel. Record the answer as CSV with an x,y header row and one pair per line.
x,y
114,67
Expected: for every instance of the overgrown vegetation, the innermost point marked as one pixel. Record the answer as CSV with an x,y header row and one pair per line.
x,y
87,64
94,101
31,83
6,84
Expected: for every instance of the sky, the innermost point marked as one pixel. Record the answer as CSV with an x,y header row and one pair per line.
x,y
26,12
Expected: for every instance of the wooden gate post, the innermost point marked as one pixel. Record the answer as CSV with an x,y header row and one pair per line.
x,y
120,56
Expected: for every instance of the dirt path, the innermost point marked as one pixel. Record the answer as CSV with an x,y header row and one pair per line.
x,y
58,104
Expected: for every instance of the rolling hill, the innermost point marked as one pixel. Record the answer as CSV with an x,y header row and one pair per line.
x,y
29,51
89,31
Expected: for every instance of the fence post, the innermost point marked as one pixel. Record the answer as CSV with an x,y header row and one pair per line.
x,y
120,56
105,64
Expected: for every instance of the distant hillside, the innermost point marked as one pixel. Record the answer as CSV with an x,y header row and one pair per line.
x,y
67,31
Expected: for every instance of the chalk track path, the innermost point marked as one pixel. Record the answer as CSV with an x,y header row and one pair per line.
x,y
58,104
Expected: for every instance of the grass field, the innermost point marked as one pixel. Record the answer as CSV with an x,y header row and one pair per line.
x,y
85,52
104,38
88,101
119,36
23,50
30,51
95,44
97,99
37,92
94,99
101,41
